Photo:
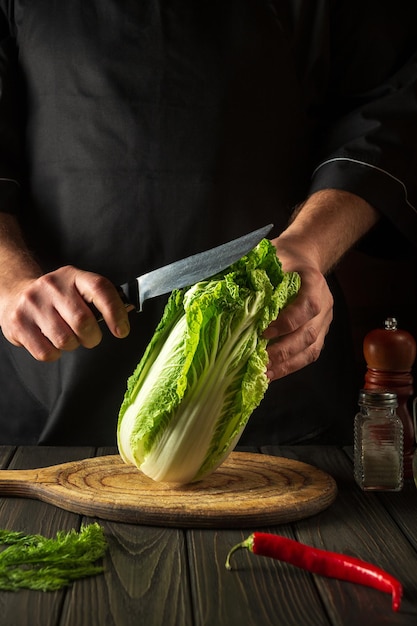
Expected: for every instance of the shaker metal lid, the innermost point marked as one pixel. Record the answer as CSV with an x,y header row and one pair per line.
x,y
378,398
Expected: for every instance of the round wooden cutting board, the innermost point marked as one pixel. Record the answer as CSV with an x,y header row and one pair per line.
x,y
247,489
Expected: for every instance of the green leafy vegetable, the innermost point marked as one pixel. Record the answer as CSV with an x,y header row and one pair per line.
x,y
204,371
40,563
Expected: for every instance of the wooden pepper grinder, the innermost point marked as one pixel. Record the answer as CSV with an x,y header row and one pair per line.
x,y
389,354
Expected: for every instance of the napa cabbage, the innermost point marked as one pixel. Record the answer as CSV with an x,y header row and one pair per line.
x,y
204,370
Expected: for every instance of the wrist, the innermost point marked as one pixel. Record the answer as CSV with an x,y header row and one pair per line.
x,y
324,228
295,250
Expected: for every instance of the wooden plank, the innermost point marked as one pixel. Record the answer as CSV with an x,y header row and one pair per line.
x,y
359,525
145,582
26,608
402,505
6,454
257,592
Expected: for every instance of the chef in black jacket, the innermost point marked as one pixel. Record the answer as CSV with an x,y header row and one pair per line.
x,y
133,134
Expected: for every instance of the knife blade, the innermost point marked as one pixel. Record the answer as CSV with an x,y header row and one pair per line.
x,y
192,269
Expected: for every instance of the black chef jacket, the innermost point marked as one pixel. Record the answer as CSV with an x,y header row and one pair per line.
x,y
135,133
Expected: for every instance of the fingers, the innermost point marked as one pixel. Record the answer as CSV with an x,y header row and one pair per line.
x,y
50,314
102,294
297,337
293,352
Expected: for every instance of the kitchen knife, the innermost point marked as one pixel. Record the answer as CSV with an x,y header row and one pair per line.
x,y
190,270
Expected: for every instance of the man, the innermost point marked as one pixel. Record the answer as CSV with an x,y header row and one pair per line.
x,y
134,135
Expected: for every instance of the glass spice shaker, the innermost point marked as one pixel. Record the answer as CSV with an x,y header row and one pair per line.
x,y
378,442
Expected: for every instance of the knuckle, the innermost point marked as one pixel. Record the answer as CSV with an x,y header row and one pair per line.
x,y
15,318
45,355
87,332
15,325
47,282
313,354
29,299
291,325
278,352
65,341
41,348
47,279
311,335
313,306
81,322
282,370
100,284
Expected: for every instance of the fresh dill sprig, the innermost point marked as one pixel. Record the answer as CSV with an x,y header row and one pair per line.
x,y
40,563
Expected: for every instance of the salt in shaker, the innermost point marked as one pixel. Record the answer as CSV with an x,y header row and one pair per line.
x,y
378,442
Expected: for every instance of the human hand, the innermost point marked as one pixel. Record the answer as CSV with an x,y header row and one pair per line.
x,y
297,336
320,232
49,314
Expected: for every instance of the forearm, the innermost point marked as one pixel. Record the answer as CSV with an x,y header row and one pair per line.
x,y
16,262
326,226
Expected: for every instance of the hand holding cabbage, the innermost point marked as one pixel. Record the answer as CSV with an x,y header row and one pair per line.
x,y
204,371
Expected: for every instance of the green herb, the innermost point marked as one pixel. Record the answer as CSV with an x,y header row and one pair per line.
x,y
40,563
204,371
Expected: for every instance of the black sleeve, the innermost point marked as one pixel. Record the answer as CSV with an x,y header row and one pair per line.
x,y
368,134
10,121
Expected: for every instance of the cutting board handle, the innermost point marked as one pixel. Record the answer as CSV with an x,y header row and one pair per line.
x,y
23,482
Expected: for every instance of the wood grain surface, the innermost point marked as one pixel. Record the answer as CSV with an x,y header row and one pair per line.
x,y
247,489
177,577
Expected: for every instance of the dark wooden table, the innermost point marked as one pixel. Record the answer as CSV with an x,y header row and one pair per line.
x,y
166,576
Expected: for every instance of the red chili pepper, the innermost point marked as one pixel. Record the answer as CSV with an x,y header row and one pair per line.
x,y
323,562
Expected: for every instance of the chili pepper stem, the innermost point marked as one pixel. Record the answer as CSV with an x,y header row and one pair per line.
x,y
247,544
